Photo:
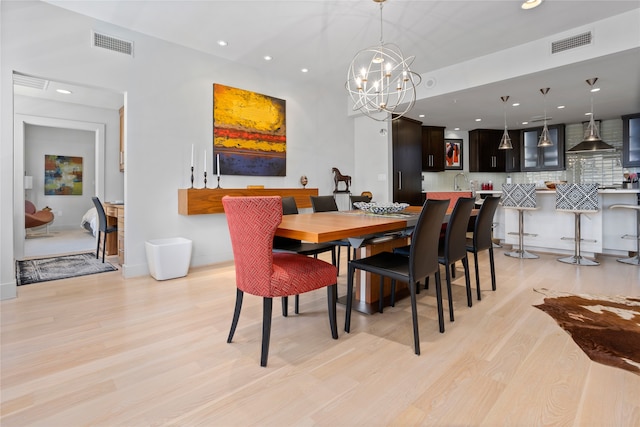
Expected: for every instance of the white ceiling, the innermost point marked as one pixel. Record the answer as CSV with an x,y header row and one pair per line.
x,y
323,36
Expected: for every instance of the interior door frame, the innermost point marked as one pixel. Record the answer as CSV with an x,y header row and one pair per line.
x,y
20,122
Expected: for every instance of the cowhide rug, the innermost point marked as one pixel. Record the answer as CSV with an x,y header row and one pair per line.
x,y
607,328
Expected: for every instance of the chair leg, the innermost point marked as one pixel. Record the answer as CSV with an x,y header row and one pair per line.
x,y
414,317
267,306
465,263
98,246
475,261
236,314
439,302
453,270
285,306
104,246
393,292
338,262
448,278
381,295
333,257
296,306
347,317
493,269
332,297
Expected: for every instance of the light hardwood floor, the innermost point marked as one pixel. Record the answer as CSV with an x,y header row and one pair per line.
x,y
103,351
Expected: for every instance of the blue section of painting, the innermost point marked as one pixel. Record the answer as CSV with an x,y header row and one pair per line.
x,y
239,164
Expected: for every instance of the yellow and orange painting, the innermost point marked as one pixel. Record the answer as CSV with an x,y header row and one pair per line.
x,y
249,132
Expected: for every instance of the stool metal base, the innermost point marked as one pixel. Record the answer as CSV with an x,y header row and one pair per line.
x,y
633,260
578,260
522,254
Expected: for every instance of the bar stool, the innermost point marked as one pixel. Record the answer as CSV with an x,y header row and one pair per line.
x,y
578,199
636,259
520,197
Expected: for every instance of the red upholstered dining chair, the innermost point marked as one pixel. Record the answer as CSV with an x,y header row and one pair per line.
x,y
259,271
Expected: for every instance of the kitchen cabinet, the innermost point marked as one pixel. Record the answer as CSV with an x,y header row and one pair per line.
x,y
534,158
484,155
512,157
631,140
432,148
407,161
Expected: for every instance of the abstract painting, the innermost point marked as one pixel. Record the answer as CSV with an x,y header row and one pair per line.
x,y
62,175
249,132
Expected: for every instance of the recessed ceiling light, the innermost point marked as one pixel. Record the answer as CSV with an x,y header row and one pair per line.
x,y
588,113
421,115
515,104
530,4
595,89
456,128
63,91
560,107
525,123
268,58
222,43
304,70
478,120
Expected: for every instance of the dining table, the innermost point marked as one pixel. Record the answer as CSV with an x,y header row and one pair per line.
x,y
368,233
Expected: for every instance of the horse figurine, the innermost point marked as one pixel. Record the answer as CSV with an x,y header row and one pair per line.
x,y
337,178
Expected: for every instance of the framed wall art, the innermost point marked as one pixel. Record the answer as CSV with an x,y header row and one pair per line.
x,y
453,154
249,132
62,175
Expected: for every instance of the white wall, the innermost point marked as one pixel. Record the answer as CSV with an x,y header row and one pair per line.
x,y
168,102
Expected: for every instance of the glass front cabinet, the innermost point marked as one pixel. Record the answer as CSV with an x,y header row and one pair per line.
x,y
534,158
631,140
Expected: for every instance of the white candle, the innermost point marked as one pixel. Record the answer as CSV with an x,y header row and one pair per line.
x,y
191,155
218,163
205,161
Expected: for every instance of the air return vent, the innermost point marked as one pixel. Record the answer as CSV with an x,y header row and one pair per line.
x,y
571,42
29,81
112,43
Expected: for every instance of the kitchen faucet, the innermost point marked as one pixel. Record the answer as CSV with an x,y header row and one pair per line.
x,y
456,187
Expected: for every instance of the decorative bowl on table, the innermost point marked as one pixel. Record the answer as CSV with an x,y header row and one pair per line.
x,y
381,208
551,185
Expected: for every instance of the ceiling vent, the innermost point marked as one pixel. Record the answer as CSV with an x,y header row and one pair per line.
x,y
113,43
29,81
535,119
571,42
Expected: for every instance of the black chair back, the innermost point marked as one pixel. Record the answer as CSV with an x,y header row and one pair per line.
x,y
323,203
289,206
423,252
102,216
484,223
455,237
355,199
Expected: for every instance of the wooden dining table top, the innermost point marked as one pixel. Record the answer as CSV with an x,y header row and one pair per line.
x,y
322,227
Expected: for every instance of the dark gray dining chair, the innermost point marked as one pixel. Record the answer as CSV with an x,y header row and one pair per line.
x,y
421,262
328,204
103,228
481,240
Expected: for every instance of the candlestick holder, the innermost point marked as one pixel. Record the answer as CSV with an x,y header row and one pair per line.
x,y
218,182
205,179
191,176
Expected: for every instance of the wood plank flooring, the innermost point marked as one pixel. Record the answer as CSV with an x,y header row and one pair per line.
x,y
104,351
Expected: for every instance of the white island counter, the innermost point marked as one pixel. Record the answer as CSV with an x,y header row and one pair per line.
x,y
601,231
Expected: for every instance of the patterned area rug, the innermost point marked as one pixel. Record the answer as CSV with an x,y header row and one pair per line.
x,y
607,328
62,267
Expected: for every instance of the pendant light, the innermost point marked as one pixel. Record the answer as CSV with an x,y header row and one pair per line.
x,y
545,140
505,142
592,141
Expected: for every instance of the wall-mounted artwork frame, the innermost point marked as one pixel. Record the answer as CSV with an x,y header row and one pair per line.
x,y
62,175
249,132
453,154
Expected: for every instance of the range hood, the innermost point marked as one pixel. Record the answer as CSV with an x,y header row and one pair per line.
x,y
592,141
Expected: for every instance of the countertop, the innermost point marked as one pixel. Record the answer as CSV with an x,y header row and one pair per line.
x,y
545,190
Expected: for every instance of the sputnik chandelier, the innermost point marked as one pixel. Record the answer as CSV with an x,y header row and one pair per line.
x,y
380,80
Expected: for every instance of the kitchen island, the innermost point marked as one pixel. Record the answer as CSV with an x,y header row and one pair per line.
x,y
601,231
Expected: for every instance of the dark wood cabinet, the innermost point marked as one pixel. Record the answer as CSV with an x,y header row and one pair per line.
x,y
484,155
407,161
512,157
432,148
534,158
631,140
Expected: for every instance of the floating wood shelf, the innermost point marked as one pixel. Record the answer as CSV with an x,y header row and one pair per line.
x,y
199,201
